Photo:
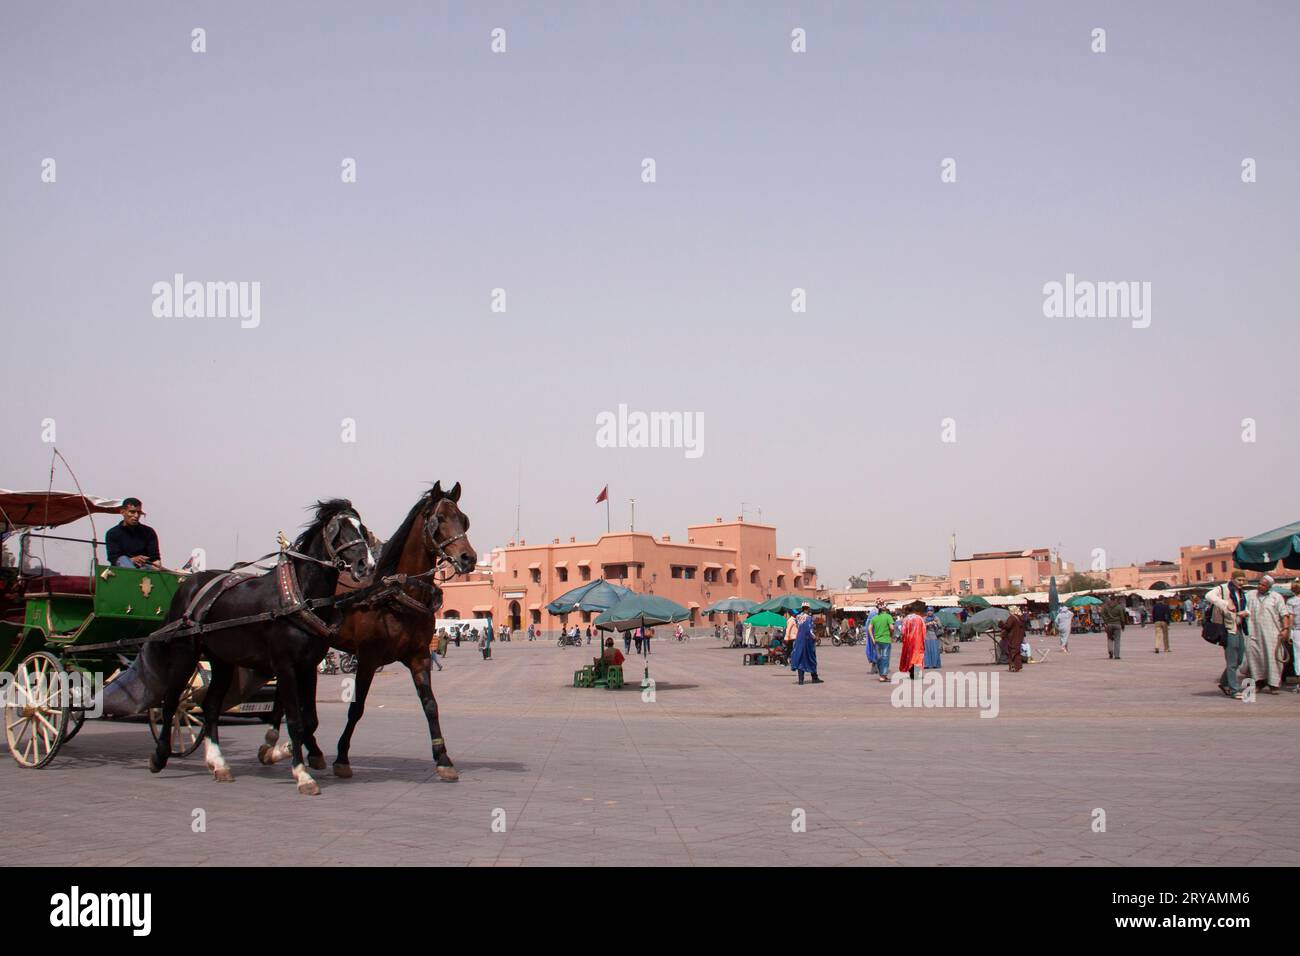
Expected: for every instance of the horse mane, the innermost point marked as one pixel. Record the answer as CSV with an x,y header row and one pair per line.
x,y
325,510
392,553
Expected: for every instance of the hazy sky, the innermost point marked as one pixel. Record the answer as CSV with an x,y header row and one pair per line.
x,y
775,170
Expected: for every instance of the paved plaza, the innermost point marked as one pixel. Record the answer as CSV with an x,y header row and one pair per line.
x,y
714,771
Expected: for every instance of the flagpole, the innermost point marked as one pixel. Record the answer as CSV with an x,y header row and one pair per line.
x,y
607,528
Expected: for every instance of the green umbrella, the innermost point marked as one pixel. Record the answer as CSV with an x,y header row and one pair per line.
x,y
792,602
949,617
1262,551
641,610
765,619
1085,600
986,620
731,604
973,600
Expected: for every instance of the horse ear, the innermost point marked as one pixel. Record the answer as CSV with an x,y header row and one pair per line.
x,y
436,493
454,494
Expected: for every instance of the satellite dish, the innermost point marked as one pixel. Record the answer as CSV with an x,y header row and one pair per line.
x,y
800,559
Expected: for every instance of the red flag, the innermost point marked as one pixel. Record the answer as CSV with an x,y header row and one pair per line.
x,y
603,496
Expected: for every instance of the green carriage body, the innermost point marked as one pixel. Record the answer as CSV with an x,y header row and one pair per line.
x,y
122,604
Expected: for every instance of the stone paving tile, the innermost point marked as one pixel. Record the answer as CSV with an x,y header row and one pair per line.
x,y
710,772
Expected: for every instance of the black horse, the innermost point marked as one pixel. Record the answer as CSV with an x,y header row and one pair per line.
x,y
397,623
288,645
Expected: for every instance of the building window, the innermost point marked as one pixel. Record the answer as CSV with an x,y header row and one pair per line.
x,y
514,572
584,572
535,574
683,572
562,574
1209,567
798,583
780,580
997,583
1198,575
753,577
979,584
1223,566
615,572
731,577
711,575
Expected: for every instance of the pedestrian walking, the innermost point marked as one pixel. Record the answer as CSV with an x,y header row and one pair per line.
x,y
1115,617
638,638
1064,622
1013,635
804,656
882,636
1160,615
912,658
1226,613
1268,624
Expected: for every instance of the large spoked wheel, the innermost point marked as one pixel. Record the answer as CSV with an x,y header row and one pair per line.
x,y
36,711
76,717
187,724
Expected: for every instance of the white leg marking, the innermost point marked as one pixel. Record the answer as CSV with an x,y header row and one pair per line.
x,y
305,782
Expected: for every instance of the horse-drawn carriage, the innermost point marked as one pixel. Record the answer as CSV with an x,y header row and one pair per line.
x,y
70,626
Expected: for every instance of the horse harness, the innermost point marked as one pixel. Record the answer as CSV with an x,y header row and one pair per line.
x,y
292,603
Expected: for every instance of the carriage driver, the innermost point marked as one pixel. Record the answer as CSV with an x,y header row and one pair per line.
x,y
130,543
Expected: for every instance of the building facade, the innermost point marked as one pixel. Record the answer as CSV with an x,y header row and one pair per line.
x,y
719,560
991,571
1212,562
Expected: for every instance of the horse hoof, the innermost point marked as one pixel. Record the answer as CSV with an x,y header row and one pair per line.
x,y
264,755
343,770
309,788
450,774
155,765
316,761
223,775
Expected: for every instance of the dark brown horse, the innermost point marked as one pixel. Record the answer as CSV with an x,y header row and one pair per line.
x,y
395,622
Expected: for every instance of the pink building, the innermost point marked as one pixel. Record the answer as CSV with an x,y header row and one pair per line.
x,y
1206,563
990,571
719,560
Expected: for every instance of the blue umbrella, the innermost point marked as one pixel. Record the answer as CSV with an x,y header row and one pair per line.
x,y
598,595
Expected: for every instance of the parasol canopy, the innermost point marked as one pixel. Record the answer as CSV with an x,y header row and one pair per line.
x,y
1084,600
599,595
641,610
765,619
973,600
792,602
731,604
1263,551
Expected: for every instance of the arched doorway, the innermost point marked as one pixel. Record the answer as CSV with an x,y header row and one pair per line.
x,y
516,623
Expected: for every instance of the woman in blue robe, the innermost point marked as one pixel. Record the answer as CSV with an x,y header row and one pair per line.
x,y
804,656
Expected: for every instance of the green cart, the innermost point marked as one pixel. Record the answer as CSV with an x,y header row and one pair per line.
x,y
70,625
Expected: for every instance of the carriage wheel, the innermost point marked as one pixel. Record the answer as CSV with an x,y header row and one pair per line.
x,y
187,724
76,717
36,713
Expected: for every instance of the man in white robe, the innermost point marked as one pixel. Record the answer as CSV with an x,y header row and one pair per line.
x,y
1269,623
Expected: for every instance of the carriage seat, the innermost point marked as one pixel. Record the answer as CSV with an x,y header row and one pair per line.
x,y
59,584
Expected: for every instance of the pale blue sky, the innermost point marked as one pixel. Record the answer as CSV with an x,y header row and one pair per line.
x,y
775,170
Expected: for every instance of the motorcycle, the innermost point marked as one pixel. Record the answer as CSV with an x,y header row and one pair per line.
x,y
566,640
849,637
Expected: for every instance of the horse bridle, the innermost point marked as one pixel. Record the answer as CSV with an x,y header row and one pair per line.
x,y
439,548
330,537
